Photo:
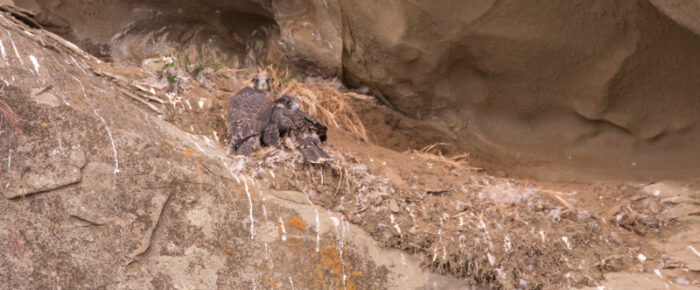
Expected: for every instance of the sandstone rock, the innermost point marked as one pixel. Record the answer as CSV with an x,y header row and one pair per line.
x,y
44,175
602,87
311,32
164,219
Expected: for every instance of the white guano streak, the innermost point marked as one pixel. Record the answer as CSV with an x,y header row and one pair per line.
x,y
109,131
318,232
35,63
4,53
15,48
284,231
250,204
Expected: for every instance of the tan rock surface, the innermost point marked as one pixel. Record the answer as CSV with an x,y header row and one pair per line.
x,y
159,204
592,85
98,192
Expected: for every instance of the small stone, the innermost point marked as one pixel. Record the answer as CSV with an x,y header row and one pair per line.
x,y
394,206
41,96
77,158
46,99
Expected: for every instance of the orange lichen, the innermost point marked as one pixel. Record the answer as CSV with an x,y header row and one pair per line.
x,y
78,100
295,224
330,260
328,272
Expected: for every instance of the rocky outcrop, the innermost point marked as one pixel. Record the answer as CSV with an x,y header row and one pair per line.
x,y
98,192
583,83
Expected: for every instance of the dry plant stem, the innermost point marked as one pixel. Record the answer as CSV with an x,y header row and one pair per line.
x,y
558,196
137,98
6,114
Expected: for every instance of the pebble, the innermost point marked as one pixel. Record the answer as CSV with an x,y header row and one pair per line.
x,y
394,206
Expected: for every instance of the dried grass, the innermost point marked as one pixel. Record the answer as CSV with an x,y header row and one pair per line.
x,y
433,152
328,104
14,239
558,196
321,99
7,115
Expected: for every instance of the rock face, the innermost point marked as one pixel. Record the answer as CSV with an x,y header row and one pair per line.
x,y
97,192
107,183
586,83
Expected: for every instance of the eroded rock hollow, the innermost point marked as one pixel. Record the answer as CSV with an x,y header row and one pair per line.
x,y
597,85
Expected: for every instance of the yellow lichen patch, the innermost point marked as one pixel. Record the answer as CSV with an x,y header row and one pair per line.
x,y
330,260
329,272
295,224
